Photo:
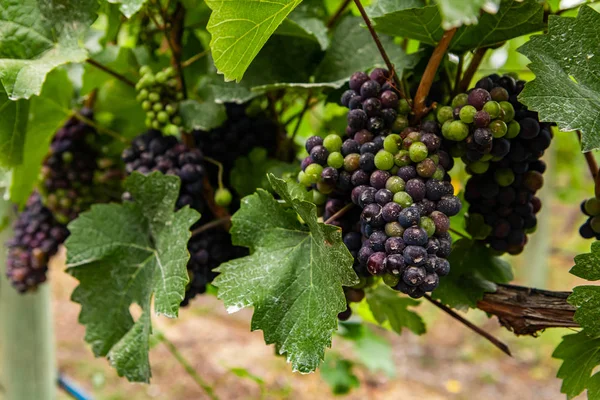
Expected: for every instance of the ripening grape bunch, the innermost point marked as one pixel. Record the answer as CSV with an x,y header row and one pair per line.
x,y
77,173
501,143
591,227
396,175
37,237
159,96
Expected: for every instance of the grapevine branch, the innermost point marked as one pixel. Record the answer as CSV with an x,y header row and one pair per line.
x,y
495,341
340,213
338,13
471,69
593,166
109,71
384,55
429,74
211,225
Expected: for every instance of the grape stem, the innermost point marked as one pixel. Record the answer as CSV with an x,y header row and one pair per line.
x,y
593,166
471,69
211,225
110,71
221,169
194,58
496,342
301,116
388,62
435,60
99,128
339,214
457,233
208,389
338,13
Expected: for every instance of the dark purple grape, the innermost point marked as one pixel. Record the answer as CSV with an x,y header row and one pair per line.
x,y
413,276
407,172
391,212
430,283
312,142
409,216
360,177
380,75
379,178
394,245
415,236
478,97
357,119
347,96
395,264
367,162
369,89
357,80
376,263
383,197
389,99
449,205
416,189
415,255
319,154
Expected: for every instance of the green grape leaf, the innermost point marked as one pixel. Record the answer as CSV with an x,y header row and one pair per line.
x,y
301,24
466,12
47,112
13,127
587,301
115,99
339,374
38,37
129,7
352,50
587,266
240,28
293,277
514,18
388,305
202,114
581,356
141,257
371,349
473,272
250,173
566,88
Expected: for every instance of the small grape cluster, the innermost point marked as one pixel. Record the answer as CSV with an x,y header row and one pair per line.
x,y
159,96
501,192
397,176
591,227
153,151
76,173
245,128
37,237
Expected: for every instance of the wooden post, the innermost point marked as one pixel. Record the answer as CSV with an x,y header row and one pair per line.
x,y
27,351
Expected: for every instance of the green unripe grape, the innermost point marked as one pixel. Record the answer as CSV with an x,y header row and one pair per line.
x,y
595,224
146,105
304,179
439,173
161,77
445,114
139,85
498,128
403,107
467,114
429,116
67,157
314,172
335,160
592,206
403,199
153,97
332,143
179,96
384,160
394,170
428,225
177,120
479,167
155,124
446,127
162,117
402,158
325,188
435,158
173,83
257,155
504,176
352,162
486,157
392,143
157,107
458,150
170,109
148,123
509,111
171,129
391,280
477,227
145,70
223,197
418,151
492,108
151,114
169,72
400,124
394,229
143,94
513,130
148,80
362,283
395,184
460,100
318,197
457,131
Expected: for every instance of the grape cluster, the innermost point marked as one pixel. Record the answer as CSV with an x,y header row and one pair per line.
x,y
244,129
152,151
501,192
76,173
397,176
159,96
37,236
591,227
